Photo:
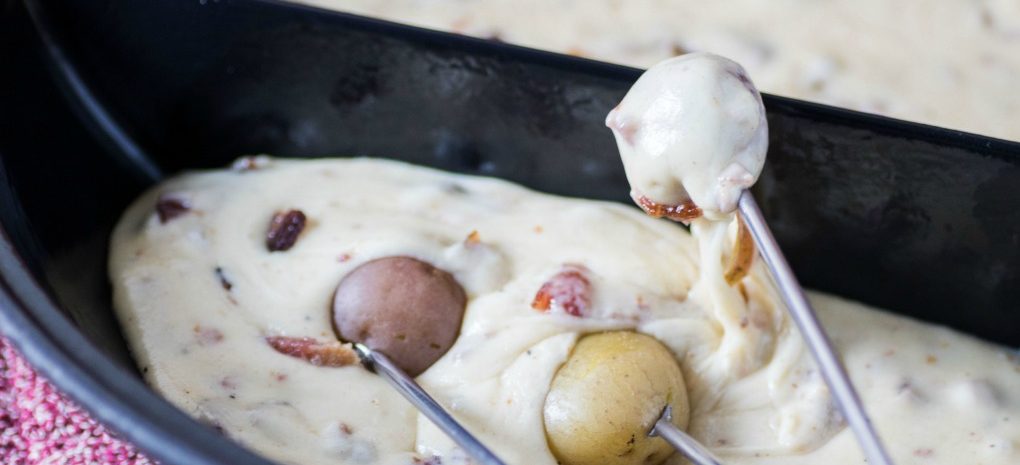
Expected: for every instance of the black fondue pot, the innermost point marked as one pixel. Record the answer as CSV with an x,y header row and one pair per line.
x,y
101,98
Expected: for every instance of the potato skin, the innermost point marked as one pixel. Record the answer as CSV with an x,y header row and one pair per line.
x,y
604,400
402,307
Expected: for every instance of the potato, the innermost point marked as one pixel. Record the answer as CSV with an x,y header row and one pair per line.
x,y
607,396
403,307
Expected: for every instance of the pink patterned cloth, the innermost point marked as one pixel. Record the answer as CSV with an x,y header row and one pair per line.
x,y
39,426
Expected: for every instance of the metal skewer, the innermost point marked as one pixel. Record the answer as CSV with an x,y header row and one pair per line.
x,y
383,366
804,316
681,441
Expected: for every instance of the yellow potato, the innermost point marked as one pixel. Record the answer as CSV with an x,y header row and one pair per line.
x,y
606,397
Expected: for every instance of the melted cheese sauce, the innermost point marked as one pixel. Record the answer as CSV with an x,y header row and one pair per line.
x,y
197,295
952,63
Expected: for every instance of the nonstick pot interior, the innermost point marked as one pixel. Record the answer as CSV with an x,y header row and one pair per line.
x,y
876,210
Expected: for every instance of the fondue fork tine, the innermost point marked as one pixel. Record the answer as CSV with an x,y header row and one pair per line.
x,y
811,330
383,366
697,453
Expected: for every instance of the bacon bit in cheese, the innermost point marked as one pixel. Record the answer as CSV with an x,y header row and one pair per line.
x,y
320,354
683,213
169,207
568,290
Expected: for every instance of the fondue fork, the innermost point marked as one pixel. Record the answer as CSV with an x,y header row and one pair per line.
x,y
382,365
697,453
833,372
